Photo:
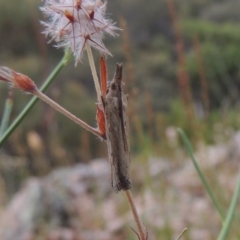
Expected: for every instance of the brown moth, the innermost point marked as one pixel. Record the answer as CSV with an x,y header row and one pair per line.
x,y
117,128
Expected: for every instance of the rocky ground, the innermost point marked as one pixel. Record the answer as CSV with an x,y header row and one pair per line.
x,y
78,203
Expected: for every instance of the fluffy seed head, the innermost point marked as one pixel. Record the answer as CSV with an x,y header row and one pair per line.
x,y
76,23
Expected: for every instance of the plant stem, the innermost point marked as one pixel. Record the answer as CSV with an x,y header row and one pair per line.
x,y
94,72
66,58
6,114
135,215
231,211
62,110
181,234
200,173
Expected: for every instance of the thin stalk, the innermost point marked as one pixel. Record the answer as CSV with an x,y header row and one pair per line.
x,y
94,72
66,58
200,173
231,211
135,215
6,114
62,110
181,234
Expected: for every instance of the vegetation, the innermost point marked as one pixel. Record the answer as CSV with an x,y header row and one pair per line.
x,y
185,75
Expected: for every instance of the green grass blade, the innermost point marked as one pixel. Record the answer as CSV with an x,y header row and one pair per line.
x,y
200,174
6,114
230,214
66,58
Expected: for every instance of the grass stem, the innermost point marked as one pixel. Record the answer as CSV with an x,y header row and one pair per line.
x,y
63,62
62,110
94,72
227,223
200,173
135,215
6,114
181,234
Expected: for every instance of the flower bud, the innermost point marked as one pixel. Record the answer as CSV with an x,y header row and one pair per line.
x,y
17,80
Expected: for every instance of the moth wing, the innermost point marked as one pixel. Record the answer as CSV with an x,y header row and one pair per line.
x,y
119,156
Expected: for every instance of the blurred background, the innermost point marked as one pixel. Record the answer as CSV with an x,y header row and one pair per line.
x,y
181,69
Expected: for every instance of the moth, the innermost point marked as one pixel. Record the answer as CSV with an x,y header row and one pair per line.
x,y
117,132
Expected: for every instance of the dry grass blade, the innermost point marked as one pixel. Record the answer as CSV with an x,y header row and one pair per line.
x,y
181,234
136,233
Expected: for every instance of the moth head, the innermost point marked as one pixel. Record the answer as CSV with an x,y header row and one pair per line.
x,y
113,86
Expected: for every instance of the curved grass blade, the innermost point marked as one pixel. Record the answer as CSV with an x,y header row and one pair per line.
x,y
200,173
181,234
230,214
